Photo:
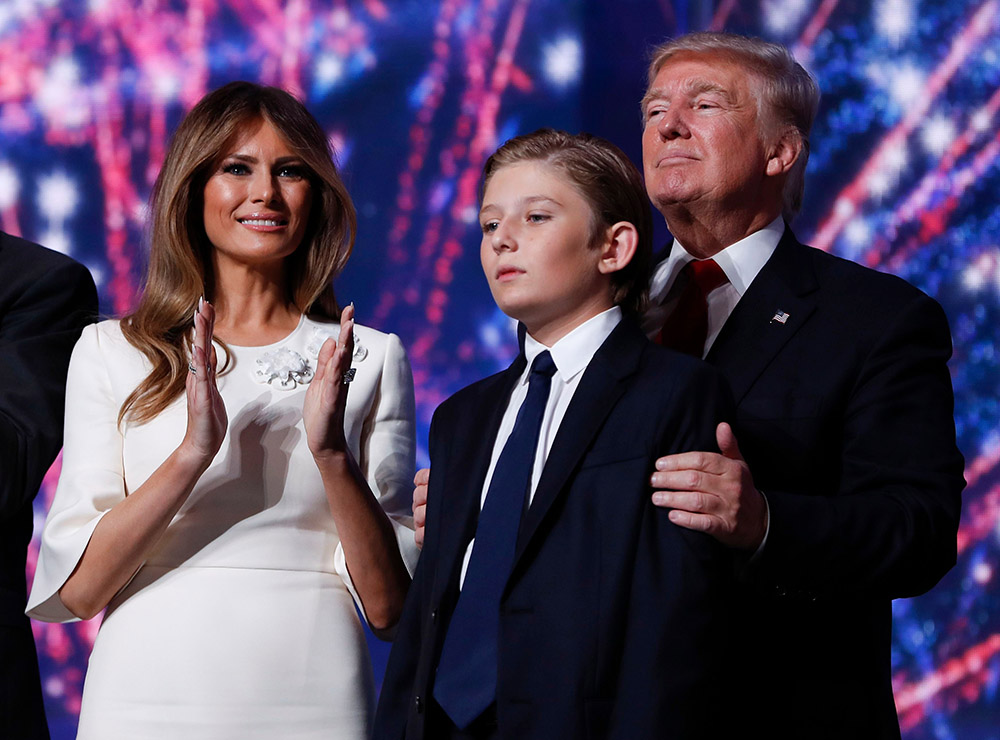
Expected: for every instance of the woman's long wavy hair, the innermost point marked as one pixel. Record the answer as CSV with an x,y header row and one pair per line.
x,y
180,255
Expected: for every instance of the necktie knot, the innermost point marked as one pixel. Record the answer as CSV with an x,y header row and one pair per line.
x,y
686,328
543,365
707,275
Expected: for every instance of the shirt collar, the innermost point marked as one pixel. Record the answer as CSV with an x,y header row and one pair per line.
x,y
573,352
740,261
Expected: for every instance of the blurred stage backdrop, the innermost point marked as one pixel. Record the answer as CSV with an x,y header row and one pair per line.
x,y
416,94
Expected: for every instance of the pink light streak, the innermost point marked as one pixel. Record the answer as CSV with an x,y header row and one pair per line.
x,y
813,28
979,520
847,203
721,15
916,205
960,679
934,222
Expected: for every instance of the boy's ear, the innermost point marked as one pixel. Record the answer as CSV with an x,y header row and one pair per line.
x,y
619,247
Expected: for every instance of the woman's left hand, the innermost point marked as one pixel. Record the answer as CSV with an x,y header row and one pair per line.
x,y
326,399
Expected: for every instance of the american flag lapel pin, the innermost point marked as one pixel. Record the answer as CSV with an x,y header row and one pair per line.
x,y
780,317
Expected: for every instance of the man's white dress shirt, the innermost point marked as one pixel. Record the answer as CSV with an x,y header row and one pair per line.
x,y
740,261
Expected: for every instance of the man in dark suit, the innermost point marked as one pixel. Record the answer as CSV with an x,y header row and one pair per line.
x,y
843,491
606,621
45,301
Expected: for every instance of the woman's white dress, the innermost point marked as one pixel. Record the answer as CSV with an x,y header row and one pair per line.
x,y
241,622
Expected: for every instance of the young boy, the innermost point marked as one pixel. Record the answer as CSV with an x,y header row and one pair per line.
x,y
552,599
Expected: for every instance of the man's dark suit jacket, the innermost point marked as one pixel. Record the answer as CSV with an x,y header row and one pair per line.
x,y
613,623
845,417
45,301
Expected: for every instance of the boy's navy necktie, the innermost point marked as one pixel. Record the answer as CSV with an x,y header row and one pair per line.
x,y
466,679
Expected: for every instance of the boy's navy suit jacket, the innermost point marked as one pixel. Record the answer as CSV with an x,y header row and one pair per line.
x,y
614,621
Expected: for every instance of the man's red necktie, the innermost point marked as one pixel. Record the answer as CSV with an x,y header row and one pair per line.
x,y
686,328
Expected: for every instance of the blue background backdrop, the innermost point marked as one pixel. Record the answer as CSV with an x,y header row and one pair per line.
x,y
415,95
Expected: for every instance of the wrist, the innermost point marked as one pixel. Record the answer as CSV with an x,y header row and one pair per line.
x,y
191,459
335,464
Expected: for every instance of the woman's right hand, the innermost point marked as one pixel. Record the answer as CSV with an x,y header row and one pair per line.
x,y
122,540
206,412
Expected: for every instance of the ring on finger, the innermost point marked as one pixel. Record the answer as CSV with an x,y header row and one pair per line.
x,y
348,376
192,369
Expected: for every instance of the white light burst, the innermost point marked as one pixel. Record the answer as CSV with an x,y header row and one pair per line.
x,y
563,61
937,134
906,84
57,240
979,271
844,208
981,120
880,184
61,79
329,70
489,335
784,16
858,233
57,196
166,85
896,158
892,163
894,20
10,186
982,572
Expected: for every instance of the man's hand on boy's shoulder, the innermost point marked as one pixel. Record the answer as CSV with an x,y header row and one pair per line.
x,y
713,493
420,481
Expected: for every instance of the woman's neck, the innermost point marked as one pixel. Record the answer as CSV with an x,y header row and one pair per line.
x,y
252,307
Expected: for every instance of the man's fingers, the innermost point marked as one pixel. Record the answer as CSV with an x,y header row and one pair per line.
x,y
727,442
689,501
684,480
423,477
697,522
708,462
419,515
420,496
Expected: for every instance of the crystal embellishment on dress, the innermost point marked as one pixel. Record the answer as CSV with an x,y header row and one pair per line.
x,y
283,368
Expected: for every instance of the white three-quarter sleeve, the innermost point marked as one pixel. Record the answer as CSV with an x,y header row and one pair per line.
x,y
388,454
91,481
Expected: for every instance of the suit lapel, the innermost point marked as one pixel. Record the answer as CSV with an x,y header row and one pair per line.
x,y
472,450
754,333
602,384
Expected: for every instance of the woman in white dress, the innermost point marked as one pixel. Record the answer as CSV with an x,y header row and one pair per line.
x,y
219,496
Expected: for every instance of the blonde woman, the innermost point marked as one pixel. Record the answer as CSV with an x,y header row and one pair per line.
x,y
237,454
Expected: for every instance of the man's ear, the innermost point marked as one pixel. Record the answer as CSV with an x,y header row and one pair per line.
x,y
618,249
785,151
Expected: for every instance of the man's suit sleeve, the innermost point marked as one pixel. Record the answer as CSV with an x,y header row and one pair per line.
x,y
890,530
37,334
396,699
675,666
